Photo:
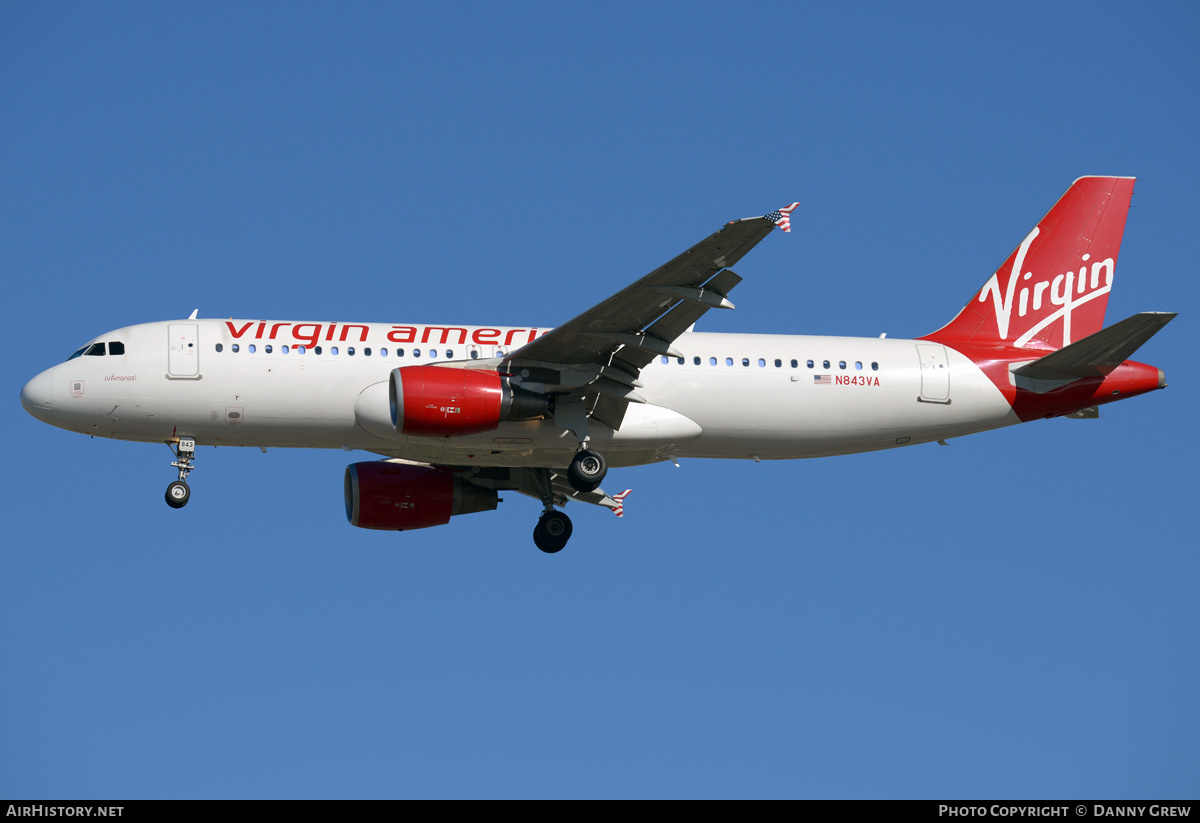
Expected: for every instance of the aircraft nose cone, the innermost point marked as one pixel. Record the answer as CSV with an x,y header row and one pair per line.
x,y
38,395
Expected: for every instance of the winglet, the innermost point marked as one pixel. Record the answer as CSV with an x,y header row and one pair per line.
x,y
783,217
619,511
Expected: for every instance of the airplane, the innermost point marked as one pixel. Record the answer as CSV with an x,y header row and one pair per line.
x,y
462,413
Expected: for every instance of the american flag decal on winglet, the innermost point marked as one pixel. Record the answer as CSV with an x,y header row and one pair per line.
x,y
783,217
619,511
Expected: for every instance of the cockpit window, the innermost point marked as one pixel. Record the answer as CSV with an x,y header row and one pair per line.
x,y
98,349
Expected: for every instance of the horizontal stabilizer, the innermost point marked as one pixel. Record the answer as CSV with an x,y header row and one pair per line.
x,y
1094,356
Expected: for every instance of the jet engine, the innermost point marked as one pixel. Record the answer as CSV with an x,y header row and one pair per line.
x,y
402,496
435,401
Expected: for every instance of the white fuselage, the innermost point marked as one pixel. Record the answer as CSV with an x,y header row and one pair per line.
x,y
733,395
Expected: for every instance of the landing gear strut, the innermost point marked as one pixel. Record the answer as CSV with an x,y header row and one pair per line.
x,y
553,528
552,531
178,492
587,470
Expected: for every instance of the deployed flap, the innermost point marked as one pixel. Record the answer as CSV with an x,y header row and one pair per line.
x,y
1097,354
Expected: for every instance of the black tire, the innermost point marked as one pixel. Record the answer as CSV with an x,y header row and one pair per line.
x,y
587,471
178,494
552,532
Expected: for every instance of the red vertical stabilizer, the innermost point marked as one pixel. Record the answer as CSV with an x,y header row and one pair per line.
x,y
1053,289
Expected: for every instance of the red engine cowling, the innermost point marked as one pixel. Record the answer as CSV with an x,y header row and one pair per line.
x,y
435,401
400,496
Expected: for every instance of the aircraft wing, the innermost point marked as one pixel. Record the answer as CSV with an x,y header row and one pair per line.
x,y
603,350
538,483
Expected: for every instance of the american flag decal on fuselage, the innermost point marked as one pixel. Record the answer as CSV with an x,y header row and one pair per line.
x,y
822,380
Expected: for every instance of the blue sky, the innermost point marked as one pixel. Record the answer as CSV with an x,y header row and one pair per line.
x,y
1012,615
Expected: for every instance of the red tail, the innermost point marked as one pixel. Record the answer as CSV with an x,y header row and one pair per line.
x,y
1053,289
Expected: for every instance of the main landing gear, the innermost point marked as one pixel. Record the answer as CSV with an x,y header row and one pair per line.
x,y
552,531
553,528
584,474
587,470
178,492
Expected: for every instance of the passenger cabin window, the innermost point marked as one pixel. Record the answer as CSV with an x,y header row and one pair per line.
x,y
267,348
874,367
235,348
220,348
696,361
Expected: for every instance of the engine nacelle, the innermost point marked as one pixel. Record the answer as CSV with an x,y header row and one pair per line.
x,y
400,496
436,401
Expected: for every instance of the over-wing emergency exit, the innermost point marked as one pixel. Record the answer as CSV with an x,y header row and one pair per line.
x,y
462,413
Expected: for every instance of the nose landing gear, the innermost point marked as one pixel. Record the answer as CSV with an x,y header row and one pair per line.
x,y
178,492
